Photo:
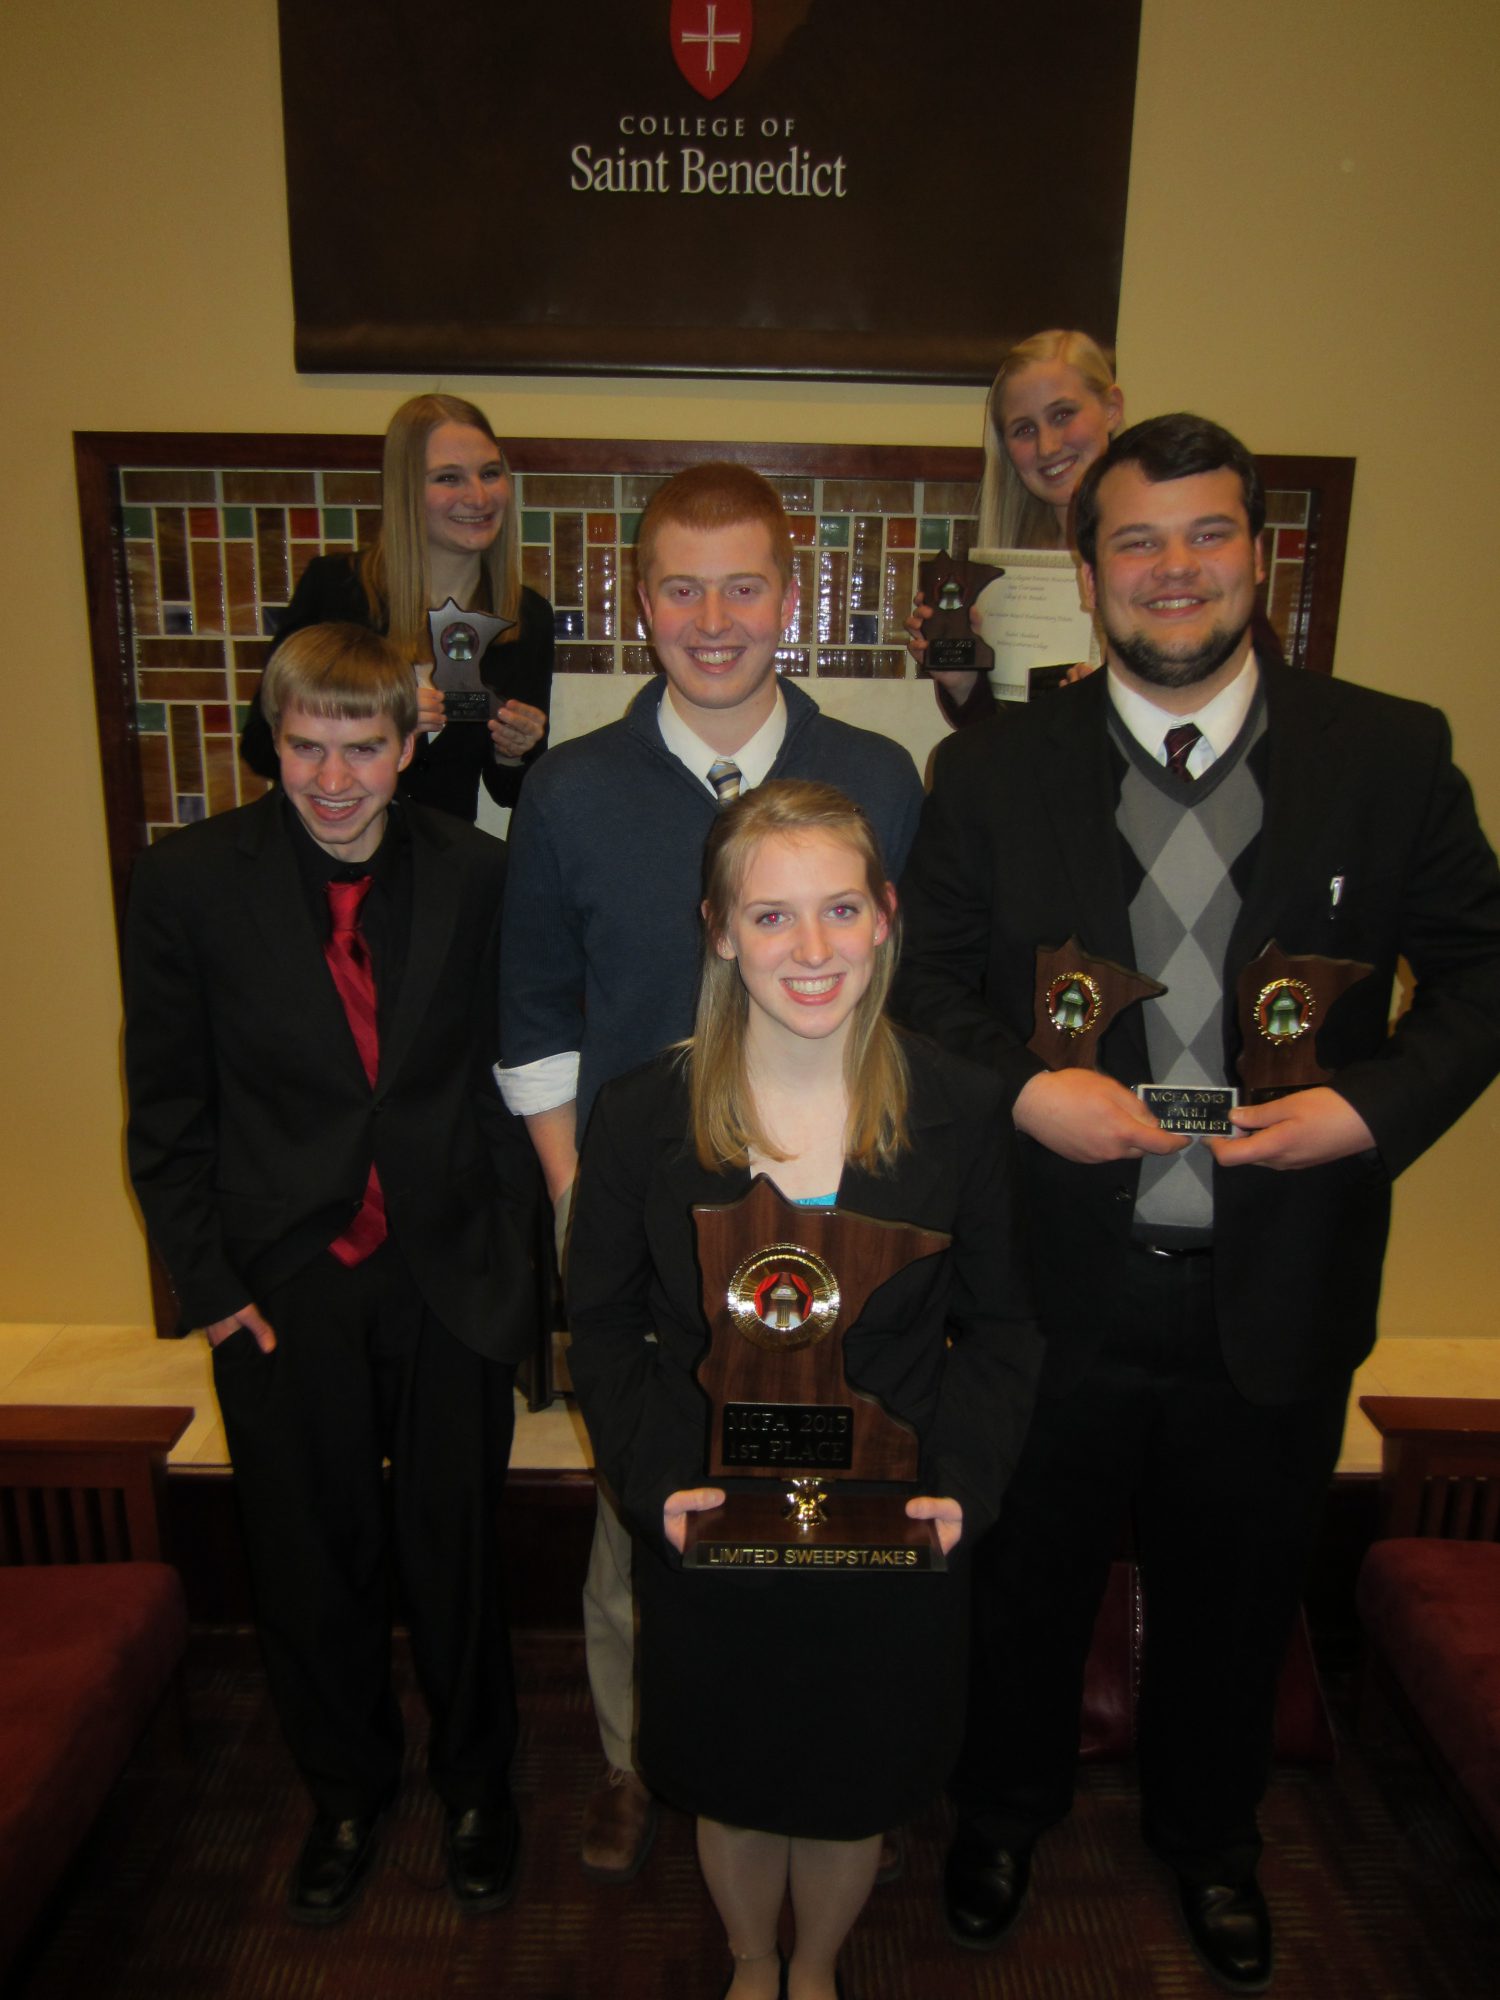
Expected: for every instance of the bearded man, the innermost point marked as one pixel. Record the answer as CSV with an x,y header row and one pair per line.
x,y
1205,1301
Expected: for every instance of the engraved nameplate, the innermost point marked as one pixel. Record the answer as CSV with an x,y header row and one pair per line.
x,y
1200,1110
817,1435
848,1558
467,704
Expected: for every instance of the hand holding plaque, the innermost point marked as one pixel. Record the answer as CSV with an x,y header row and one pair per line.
x,y
950,587
780,1282
1077,997
460,640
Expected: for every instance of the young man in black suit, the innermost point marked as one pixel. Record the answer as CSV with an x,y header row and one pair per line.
x,y
1204,1304
340,1198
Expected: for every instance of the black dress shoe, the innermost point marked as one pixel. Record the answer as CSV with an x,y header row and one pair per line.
x,y
984,1890
1230,1927
484,1856
331,1868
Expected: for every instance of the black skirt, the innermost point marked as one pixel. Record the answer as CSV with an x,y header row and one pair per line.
x,y
829,1707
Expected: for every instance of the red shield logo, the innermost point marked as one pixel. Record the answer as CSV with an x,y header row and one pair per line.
x,y
711,41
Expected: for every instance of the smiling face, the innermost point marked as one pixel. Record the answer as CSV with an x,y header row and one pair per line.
x,y
340,774
466,491
717,608
1174,581
804,929
1053,425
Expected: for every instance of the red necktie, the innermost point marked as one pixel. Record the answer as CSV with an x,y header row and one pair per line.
x,y
1179,746
349,961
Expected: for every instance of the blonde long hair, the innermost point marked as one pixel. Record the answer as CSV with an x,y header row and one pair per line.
x,y
1009,516
724,1122
395,570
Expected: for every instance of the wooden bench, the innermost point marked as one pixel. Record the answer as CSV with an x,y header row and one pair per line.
x,y
93,1625
1429,1590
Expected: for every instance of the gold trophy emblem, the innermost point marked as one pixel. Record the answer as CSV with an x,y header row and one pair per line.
x,y
783,1297
1285,1009
1073,1003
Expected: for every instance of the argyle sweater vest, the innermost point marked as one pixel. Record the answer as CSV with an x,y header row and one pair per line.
x,y
1187,852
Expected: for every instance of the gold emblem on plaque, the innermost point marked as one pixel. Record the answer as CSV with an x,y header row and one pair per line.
x,y
783,1297
804,1502
1284,1010
1073,1003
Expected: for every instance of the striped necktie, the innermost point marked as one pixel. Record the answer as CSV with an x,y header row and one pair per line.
x,y
348,959
726,778
1178,744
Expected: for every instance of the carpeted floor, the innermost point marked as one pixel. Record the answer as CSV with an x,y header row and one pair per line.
x,y
1376,1890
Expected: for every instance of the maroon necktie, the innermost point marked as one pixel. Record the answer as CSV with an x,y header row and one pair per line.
x,y
1179,743
349,961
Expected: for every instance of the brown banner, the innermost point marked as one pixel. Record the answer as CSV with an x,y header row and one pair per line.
x,y
777,187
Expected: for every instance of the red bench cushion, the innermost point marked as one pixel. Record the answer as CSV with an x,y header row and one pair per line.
x,y
1432,1610
86,1652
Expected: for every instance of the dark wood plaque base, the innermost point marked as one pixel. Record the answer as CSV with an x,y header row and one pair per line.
x,y
865,1534
1098,990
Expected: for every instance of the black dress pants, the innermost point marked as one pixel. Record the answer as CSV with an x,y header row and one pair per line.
x,y
1226,1495
362,1372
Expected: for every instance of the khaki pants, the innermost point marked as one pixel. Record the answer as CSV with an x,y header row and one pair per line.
x,y
608,1601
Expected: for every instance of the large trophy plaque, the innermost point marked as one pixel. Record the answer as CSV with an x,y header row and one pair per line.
x,y
790,1438
1284,1001
1077,996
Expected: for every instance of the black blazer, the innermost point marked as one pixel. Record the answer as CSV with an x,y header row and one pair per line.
x,y
250,1114
633,1270
1018,848
445,769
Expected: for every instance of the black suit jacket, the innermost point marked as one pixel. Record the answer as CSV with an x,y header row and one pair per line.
x,y
633,1270
250,1113
1018,848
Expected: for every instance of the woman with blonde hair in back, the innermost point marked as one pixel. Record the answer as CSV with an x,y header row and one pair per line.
x,y
1052,409
448,530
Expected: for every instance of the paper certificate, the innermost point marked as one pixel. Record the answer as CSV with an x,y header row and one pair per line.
x,y
1032,616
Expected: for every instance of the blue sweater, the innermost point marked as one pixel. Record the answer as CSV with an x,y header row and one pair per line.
x,y
602,936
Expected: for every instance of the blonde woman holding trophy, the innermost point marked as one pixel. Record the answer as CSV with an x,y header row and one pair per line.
x,y
449,533
799,1716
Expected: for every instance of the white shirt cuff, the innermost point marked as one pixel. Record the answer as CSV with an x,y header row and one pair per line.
x,y
541,1085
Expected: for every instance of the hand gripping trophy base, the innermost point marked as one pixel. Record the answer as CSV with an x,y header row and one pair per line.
x,y
950,586
816,1474
460,640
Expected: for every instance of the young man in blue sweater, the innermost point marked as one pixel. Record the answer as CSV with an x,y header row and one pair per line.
x,y
601,917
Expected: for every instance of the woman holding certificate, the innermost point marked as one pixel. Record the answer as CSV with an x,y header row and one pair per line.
x,y
799,1715
448,532
1052,409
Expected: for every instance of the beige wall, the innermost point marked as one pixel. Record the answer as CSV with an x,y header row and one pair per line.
x,y
1311,257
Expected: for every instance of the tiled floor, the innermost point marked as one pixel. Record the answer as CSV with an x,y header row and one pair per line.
x,y
127,1364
